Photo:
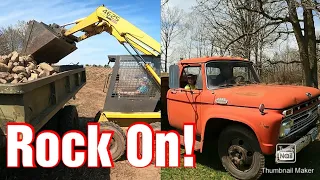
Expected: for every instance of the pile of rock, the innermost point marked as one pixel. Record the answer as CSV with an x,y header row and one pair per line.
x,y
20,69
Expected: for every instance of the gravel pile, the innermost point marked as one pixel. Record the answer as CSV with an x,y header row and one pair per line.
x,y
21,69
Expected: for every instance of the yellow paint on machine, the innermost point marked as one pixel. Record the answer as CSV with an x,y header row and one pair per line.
x,y
136,115
127,119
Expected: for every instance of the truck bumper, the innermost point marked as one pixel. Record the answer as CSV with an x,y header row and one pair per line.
x,y
302,142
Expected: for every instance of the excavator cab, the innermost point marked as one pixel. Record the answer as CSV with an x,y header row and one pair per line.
x,y
131,88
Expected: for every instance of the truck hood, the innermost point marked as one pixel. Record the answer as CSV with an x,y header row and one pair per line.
x,y
272,96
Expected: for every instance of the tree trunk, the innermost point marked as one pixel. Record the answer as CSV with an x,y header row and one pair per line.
x,y
311,44
166,57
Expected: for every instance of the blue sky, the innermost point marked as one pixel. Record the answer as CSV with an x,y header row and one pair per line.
x,y
145,14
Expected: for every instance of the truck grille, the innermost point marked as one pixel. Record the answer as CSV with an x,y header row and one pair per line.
x,y
303,119
305,105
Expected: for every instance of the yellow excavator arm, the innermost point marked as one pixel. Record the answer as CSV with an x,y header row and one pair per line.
x,y
105,20
51,43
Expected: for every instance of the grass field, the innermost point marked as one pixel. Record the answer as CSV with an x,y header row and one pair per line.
x,y
209,167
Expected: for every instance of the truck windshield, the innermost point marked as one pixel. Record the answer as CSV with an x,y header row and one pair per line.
x,y
230,73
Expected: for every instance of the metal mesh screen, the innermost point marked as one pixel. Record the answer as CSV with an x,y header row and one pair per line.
x,y
133,81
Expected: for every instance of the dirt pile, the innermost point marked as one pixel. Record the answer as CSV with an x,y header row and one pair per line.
x,y
20,69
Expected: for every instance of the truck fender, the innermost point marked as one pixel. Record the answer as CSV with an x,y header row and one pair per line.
x,y
231,118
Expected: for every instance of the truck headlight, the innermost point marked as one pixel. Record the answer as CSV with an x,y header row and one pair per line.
x,y
285,127
287,112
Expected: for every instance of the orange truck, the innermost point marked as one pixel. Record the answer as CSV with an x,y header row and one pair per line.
x,y
249,120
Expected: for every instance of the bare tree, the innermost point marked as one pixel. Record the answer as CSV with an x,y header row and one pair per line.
x,y
284,13
170,28
164,2
12,37
235,31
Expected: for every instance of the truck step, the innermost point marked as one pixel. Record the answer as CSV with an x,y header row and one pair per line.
x,y
197,144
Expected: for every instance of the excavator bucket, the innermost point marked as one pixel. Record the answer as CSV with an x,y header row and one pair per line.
x,y
46,43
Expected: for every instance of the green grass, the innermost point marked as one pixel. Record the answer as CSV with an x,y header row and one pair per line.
x,y
204,169
209,167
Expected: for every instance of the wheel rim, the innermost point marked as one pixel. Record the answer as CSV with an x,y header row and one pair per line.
x,y
240,154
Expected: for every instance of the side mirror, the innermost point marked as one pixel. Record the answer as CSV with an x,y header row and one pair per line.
x,y
174,77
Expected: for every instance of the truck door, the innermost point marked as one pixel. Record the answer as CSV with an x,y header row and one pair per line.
x,y
183,105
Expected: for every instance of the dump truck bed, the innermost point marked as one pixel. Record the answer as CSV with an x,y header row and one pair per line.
x,y
36,102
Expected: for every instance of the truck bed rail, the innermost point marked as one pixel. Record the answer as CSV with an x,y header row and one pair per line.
x,y
36,102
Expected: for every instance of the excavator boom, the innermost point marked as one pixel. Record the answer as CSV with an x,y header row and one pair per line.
x,y
51,43
106,20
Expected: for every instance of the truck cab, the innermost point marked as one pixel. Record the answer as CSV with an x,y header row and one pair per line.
x,y
227,101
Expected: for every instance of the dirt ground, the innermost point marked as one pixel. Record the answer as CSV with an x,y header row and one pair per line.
x,y
89,100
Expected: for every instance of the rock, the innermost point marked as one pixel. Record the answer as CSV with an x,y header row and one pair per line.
x,y
4,59
21,61
24,80
3,81
20,76
15,68
15,81
36,71
28,71
29,58
42,74
46,67
9,78
31,66
3,75
19,69
15,76
23,74
15,56
47,73
33,76
4,68
34,62
9,55
10,66
39,69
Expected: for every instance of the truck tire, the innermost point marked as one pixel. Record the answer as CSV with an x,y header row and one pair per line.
x,y
156,126
118,141
68,119
240,153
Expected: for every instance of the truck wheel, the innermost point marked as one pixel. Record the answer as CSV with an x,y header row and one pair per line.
x,y
68,119
118,141
156,126
240,153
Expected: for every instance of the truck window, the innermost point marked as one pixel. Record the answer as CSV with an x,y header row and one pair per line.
x,y
225,74
194,70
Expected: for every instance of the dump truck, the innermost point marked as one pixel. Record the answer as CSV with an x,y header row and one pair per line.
x,y
134,84
249,120
42,102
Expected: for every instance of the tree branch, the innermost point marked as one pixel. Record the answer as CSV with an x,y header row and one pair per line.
x,y
283,62
262,12
253,33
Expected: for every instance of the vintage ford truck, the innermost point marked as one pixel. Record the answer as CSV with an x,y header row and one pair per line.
x,y
248,118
